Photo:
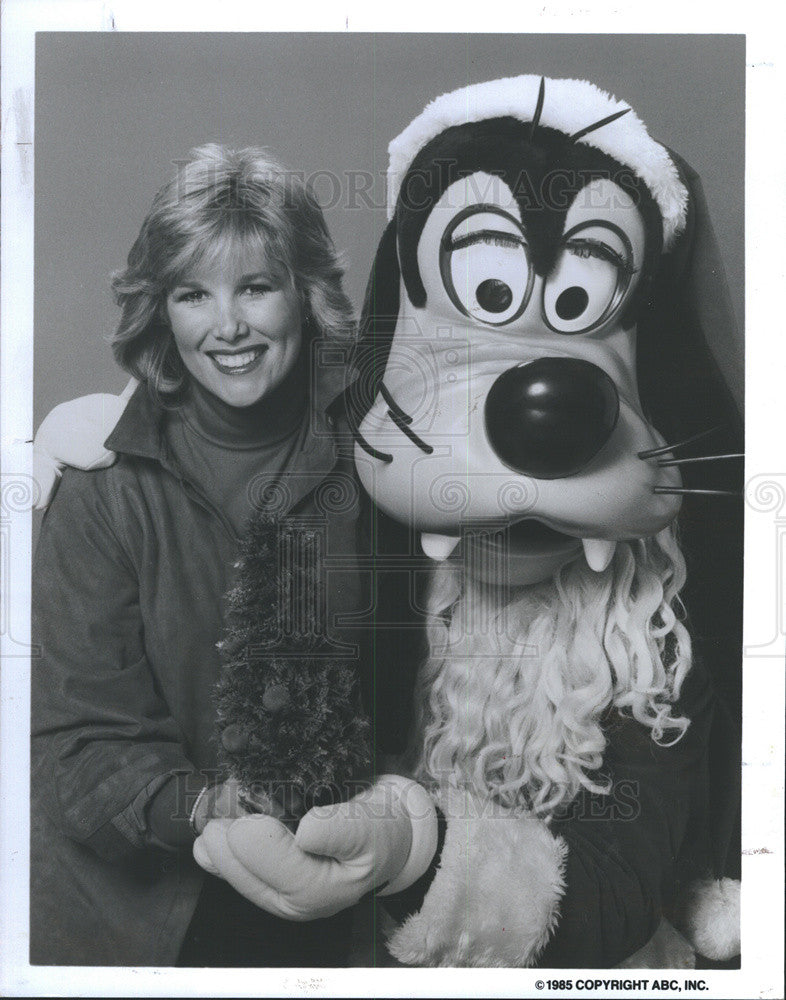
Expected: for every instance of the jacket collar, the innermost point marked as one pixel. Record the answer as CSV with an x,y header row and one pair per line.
x,y
140,429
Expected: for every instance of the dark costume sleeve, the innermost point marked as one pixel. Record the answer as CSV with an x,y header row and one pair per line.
x,y
586,889
623,848
103,740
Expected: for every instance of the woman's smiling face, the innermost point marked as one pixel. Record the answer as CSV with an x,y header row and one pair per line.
x,y
237,327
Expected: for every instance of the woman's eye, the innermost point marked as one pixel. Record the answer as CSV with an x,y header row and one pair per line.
x,y
196,295
487,276
584,287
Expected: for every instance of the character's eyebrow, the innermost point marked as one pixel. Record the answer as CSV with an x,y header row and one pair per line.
x,y
586,247
495,237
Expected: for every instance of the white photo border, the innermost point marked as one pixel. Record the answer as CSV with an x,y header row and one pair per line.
x,y
765,555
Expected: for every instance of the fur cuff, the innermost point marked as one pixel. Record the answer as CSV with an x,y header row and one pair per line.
x,y
708,914
494,901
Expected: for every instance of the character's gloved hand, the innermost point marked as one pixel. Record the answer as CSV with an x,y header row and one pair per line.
x,y
385,836
73,434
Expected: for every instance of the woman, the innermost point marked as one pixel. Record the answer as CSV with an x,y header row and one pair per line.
x,y
231,280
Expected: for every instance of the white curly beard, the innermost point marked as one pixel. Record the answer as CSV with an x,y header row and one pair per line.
x,y
516,683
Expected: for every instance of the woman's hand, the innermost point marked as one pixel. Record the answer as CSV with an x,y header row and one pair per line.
x,y
338,854
229,800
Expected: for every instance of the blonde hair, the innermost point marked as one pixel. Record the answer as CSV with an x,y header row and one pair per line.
x,y
224,202
514,693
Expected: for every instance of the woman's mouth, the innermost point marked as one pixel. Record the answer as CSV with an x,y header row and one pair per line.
x,y
237,362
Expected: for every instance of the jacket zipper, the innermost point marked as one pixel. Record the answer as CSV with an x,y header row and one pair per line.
x,y
198,497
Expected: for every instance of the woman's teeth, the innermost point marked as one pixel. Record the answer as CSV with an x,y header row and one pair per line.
x,y
234,364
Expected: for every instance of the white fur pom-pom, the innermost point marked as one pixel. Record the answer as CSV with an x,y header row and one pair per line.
x,y
708,915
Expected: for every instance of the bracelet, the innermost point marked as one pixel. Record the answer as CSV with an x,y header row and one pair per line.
x,y
192,815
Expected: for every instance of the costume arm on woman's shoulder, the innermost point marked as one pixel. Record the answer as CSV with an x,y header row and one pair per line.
x,y
103,740
72,435
582,891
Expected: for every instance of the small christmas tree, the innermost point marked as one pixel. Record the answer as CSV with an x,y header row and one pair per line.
x,y
290,721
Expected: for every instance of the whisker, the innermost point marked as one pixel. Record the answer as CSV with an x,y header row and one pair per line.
x,y
388,397
654,452
707,493
369,449
409,433
703,458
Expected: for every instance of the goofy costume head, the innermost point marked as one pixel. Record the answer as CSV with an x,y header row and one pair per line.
x,y
534,381
500,382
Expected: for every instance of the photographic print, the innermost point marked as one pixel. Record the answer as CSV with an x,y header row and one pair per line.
x,y
388,395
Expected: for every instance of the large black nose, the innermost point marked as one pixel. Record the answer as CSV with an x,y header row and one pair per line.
x,y
549,418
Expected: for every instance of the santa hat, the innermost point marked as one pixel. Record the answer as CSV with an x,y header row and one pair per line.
x,y
576,107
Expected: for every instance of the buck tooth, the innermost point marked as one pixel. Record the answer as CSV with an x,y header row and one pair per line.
x,y
438,547
598,552
665,537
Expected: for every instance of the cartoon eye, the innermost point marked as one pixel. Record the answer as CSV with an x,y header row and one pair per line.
x,y
587,283
485,268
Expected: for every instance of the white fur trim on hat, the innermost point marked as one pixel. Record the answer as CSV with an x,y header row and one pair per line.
x,y
494,901
569,106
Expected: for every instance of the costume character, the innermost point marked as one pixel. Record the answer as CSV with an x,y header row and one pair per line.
x,y
539,363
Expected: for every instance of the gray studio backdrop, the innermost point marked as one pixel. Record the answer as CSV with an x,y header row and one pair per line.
x,y
113,111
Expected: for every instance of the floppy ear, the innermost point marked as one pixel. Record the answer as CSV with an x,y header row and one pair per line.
x,y
377,325
690,361
689,350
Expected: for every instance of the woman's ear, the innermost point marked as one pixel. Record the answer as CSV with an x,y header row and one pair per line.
x,y
161,313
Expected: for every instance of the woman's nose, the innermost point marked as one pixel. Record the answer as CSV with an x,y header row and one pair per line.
x,y
549,418
229,320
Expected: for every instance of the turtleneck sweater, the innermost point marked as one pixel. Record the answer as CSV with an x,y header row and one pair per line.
x,y
228,452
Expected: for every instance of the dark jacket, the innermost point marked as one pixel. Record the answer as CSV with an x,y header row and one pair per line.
x,y
118,707
130,572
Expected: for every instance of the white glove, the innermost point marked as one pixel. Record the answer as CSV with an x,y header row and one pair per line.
x,y
73,434
338,854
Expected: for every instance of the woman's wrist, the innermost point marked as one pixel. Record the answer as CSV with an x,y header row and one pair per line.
x,y
170,809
